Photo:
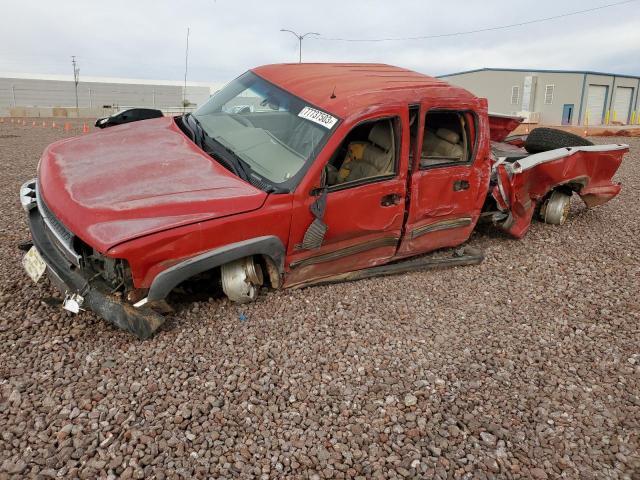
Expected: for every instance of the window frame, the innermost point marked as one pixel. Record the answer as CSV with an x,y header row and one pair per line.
x,y
515,88
396,123
553,91
474,148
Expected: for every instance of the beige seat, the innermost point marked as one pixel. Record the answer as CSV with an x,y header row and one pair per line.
x,y
442,143
377,156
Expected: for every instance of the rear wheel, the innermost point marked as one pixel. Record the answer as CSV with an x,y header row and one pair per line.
x,y
545,139
555,208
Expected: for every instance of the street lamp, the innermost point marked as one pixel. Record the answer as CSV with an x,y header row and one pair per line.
x,y
300,38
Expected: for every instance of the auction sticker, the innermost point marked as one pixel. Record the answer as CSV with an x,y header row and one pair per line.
x,y
319,117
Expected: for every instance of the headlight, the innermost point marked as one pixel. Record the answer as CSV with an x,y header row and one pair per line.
x,y
28,195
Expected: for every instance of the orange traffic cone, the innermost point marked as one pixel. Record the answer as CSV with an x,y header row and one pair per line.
x,y
85,128
1,119
67,126
53,125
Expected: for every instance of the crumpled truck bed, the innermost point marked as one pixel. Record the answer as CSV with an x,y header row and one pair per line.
x,y
519,186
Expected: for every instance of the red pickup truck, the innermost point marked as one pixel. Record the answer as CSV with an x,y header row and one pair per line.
x,y
293,175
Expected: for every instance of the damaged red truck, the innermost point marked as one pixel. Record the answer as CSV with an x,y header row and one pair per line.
x,y
293,175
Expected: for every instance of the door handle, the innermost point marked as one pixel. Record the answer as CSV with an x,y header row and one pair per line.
x,y
460,185
390,200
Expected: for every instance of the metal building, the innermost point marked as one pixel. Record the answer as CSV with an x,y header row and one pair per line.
x,y
556,97
53,95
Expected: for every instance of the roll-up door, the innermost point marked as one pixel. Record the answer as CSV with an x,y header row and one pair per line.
x,y
596,98
622,104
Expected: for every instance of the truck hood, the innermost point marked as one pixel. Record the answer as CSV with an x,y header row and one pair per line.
x,y
135,179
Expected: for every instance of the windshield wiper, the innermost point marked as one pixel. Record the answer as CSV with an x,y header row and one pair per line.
x,y
238,162
227,157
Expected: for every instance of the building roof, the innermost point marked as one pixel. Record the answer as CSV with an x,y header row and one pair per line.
x,y
89,79
354,85
581,72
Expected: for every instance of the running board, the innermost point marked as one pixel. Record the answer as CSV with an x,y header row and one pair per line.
x,y
461,257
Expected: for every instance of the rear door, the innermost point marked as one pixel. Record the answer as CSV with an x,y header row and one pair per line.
x,y
449,180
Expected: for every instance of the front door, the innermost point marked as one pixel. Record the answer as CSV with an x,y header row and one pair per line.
x,y
365,206
448,187
567,114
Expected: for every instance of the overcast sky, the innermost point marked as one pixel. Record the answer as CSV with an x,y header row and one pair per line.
x,y
146,38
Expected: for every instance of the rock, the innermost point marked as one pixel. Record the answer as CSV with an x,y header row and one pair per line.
x,y
410,400
488,438
538,473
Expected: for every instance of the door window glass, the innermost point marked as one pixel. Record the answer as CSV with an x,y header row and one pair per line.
x,y
448,138
367,153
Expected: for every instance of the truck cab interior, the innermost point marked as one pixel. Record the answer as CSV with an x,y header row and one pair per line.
x,y
445,140
368,151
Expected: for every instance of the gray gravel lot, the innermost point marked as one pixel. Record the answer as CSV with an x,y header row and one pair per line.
x,y
526,366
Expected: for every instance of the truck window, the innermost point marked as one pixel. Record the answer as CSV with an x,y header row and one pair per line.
x,y
368,153
448,138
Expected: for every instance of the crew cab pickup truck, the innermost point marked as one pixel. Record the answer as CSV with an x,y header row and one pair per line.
x,y
293,175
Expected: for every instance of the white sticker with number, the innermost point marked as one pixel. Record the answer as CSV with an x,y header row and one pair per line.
x,y
319,117
34,264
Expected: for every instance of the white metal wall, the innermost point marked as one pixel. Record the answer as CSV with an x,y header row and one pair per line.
x,y
505,91
17,92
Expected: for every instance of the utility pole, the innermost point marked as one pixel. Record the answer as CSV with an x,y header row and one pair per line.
x,y
186,64
300,38
76,80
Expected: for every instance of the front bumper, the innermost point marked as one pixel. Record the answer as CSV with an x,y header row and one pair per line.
x,y
68,278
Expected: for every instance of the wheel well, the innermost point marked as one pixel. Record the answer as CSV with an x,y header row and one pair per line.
x,y
269,250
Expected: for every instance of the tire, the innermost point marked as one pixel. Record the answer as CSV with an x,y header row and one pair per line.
x,y
545,139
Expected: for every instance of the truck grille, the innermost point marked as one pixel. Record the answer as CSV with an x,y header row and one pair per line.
x,y
62,236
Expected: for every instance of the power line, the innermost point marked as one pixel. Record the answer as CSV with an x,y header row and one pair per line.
x,y
480,30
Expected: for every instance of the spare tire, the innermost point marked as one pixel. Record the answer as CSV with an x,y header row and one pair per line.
x,y
545,139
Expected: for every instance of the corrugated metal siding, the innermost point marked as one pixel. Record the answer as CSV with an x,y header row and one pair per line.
x,y
16,92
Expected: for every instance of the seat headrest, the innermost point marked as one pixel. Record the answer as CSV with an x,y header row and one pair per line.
x,y
381,135
448,135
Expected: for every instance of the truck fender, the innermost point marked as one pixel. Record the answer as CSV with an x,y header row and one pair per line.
x,y
269,246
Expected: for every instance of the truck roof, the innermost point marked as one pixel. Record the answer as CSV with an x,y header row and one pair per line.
x,y
355,85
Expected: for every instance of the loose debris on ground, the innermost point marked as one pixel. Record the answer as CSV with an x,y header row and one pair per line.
x,y
526,366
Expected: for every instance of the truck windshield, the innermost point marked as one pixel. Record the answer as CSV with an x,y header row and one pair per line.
x,y
273,132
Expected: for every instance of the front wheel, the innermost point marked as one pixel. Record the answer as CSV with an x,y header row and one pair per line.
x,y
241,280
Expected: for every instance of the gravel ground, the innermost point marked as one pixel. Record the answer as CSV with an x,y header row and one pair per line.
x,y
526,366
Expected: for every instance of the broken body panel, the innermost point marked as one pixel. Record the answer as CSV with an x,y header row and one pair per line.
x,y
145,203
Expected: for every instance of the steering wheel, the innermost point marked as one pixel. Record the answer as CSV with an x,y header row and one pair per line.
x,y
242,119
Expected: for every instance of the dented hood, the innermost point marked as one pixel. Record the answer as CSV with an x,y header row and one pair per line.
x,y
132,180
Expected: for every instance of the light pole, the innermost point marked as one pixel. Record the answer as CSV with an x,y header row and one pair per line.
x,y
300,38
76,79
